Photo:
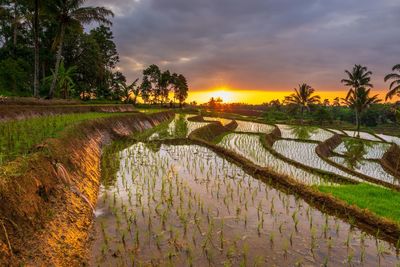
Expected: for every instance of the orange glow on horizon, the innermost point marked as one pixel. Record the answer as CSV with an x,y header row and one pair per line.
x,y
262,96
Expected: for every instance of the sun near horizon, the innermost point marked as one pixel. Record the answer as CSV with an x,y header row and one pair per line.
x,y
249,96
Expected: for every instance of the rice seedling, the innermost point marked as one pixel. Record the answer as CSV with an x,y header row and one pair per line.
x,y
190,205
369,168
250,147
253,127
304,132
372,150
304,153
362,135
18,138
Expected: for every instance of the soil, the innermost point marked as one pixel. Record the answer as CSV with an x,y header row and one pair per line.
x,y
18,112
48,197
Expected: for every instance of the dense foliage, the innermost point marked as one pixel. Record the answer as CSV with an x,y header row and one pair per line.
x,y
45,51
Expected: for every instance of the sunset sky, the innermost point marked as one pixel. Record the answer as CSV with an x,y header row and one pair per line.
x,y
257,50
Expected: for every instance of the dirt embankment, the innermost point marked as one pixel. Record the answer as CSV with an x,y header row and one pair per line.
x,y
212,130
365,219
325,148
391,160
272,137
197,118
48,198
14,112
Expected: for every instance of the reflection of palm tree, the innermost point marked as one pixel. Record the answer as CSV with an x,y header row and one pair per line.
x,y
302,132
181,127
154,147
355,151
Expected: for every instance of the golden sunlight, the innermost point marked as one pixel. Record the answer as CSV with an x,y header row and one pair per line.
x,y
256,96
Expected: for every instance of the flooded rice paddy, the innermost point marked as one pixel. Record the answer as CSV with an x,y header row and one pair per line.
x,y
304,132
183,205
368,150
250,147
367,167
362,135
253,127
179,127
223,121
390,139
304,153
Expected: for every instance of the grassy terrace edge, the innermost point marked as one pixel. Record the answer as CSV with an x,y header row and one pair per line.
x,y
58,184
381,201
19,137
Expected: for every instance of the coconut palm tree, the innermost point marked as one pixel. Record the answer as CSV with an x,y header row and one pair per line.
x,y
358,98
303,97
394,88
358,77
36,41
70,14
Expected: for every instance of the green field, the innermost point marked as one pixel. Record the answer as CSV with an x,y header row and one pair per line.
x,y
19,137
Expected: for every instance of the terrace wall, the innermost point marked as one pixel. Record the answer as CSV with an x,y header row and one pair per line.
x,y
48,198
13,112
391,160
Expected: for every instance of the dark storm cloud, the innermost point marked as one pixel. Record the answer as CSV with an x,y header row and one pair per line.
x,y
257,44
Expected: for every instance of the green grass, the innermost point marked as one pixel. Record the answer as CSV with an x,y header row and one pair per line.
x,y
19,137
381,201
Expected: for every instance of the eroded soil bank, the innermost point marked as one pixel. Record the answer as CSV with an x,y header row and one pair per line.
x,y
48,198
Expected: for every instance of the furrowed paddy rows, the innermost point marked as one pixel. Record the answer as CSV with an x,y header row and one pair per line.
x,y
185,205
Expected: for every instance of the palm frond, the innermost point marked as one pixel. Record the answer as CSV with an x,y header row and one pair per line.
x,y
93,14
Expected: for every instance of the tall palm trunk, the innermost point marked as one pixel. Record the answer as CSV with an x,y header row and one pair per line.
x,y
358,122
58,60
15,26
36,32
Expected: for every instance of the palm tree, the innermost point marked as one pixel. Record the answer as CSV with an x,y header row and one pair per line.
x,y
70,14
394,88
358,77
358,97
336,102
36,41
360,100
303,97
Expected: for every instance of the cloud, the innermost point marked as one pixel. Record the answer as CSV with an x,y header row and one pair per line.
x,y
257,44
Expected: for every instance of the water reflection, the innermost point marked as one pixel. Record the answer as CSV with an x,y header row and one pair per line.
x,y
355,152
302,132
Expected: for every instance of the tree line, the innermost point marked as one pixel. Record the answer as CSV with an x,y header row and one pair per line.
x,y
46,52
358,98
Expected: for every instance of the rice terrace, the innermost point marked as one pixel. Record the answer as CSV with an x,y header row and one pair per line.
x,y
167,133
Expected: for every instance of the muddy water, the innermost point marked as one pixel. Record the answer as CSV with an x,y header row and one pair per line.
x,y
186,206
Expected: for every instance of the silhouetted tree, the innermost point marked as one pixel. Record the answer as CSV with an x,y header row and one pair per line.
x,y
70,14
394,88
358,97
303,97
